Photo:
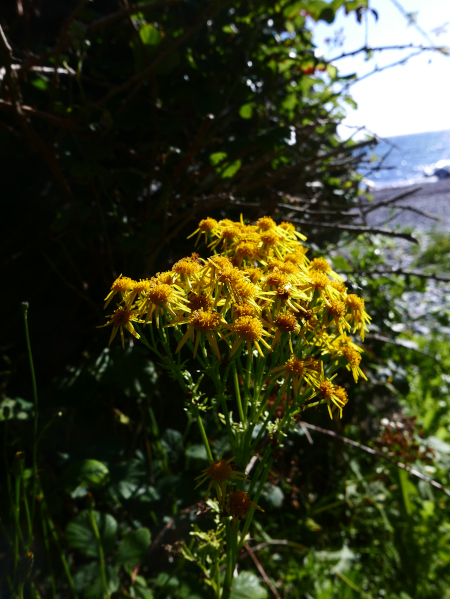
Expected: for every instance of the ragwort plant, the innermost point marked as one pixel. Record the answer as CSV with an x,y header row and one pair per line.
x,y
271,329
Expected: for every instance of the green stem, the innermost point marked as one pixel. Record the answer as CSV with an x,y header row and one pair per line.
x,y
255,498
16,524
45,515
101,556
27,510
47,548
202,432
238,394
25,307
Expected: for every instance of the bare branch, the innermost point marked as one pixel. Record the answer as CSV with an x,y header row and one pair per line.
x,y
355,229
399,271
30,134
412,471
381,48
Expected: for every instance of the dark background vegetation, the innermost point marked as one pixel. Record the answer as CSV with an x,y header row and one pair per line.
x,y
121,126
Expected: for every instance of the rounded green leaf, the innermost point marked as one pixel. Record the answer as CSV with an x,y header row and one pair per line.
x,y
80,533
327,15
246,111
90,473
248,586
133,547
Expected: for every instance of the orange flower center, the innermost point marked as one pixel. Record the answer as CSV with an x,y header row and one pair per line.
x,y
220,471
239,503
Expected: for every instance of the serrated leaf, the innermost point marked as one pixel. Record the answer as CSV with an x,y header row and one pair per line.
x,y
133,547
248,586
80,533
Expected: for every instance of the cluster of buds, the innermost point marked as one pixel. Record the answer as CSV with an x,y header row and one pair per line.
x,y
258,294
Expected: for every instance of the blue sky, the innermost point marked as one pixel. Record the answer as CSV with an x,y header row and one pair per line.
x,y
409,98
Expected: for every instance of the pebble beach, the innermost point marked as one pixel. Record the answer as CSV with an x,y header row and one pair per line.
x,y
430,200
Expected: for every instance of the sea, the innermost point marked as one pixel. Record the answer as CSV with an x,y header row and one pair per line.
x,y
407,160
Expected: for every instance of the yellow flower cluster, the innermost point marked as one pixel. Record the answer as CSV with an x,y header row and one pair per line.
x,y
258,292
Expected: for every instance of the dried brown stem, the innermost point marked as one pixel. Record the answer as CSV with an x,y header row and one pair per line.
x,y
261,571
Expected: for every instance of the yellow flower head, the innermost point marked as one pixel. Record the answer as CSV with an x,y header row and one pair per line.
x,y
164,277
320,264
358,313
270,238
264,223
250,330
121,285
160,294
299,370
197,301
287,323
219,472
239,504
276,279
332,394
207,224
254,273
122,318
353,358
247,249
186,266
319,280
205,320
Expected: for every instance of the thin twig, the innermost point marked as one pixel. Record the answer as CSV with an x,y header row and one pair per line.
x,y
412,471
279,542
400,196
356,229
261,571
381,48
28,130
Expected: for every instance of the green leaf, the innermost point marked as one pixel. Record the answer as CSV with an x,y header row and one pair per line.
x,y
232,169
332,71
133,547
90,473
80,534
197,452
96,589
149,35
272,496
217,158
247,586
408,489
327,15
246,111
